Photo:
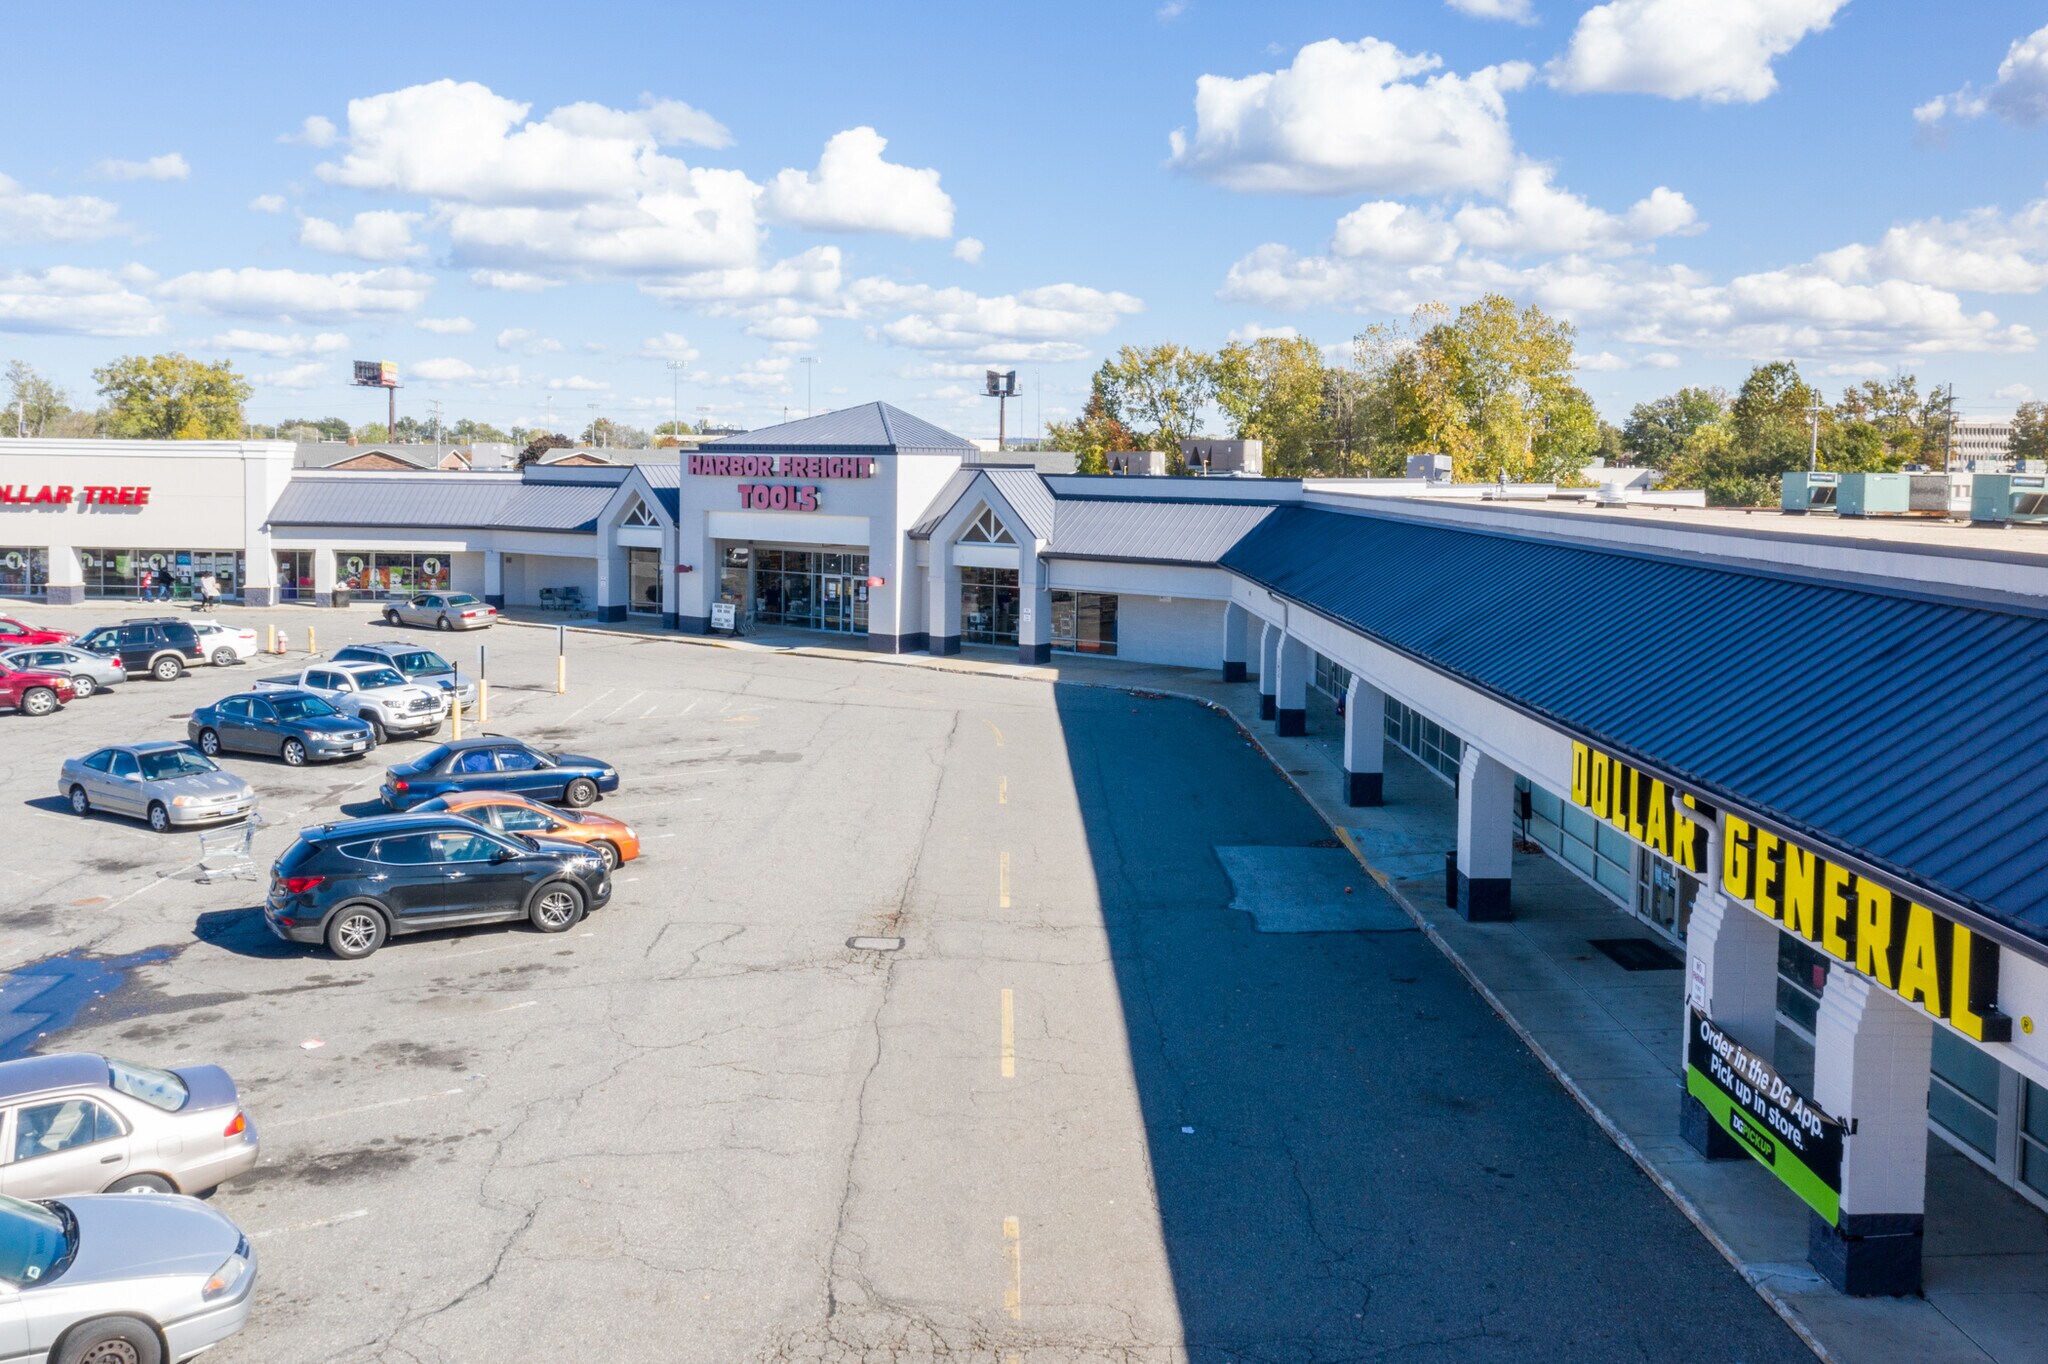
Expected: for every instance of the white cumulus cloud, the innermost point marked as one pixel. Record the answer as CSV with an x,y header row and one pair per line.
x,y
512,281
310,374
2017,393
1045,323
378,235
169,166
668,346
813,275
1516,11
794,328
855,190
252,292
317,131
1719,51
238,341
267,203
1985,250
968,249
446,326
26,217
2018,94
65,299
527,342
1361,117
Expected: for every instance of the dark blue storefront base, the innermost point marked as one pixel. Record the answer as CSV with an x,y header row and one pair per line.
x,y
1233,672
1697,1128
1364,788
495,599
1269,705
1290,724
612,615
1034,654
1484,899
1870,1255
944,644
65,594
897,644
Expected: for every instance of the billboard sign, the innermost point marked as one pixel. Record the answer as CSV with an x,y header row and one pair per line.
x,y
377,373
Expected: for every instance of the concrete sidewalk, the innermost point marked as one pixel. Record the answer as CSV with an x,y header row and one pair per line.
x,y
1612,1038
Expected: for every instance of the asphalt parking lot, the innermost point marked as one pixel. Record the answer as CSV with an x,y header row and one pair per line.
x,y
1085,1112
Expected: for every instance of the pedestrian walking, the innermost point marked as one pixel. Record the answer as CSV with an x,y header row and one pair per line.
x,y
146,581
209,591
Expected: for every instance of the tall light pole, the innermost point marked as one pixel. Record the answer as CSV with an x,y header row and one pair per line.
x,y
810,363
675,399
1002,387
594,407
1813,449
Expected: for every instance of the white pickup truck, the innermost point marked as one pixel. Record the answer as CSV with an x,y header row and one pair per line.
x,y
376,692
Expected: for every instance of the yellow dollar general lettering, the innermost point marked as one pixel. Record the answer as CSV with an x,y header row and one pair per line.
x,y
1874,931
1621,794
1796,888
1738,869
1919,960
1770,850
1657,832
1837,913
1973,987
1598,804
1582,774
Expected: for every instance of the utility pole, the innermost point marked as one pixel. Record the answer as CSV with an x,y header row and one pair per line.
x,y
810,363
436,405
593,421
1948,439
675,399
1813,450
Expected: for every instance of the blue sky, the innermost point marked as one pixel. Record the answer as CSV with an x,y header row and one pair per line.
x,y
532,210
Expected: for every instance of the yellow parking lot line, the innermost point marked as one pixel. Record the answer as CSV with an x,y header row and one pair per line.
x,y
1009,1036
1003,791
993,730
1003,881
1013,1258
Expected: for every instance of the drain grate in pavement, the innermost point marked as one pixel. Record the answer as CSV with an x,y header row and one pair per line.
x,y
1639,954
875,944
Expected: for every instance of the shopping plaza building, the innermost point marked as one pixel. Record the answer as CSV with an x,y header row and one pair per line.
x,y
1798,749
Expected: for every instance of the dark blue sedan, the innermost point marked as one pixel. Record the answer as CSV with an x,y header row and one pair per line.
x,y
498,764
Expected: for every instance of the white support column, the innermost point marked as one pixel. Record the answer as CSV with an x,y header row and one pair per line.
x,y
494,577
942,601
1034,607
1290,691
1236,641
1486,837
1269,669
1731,973
1872,1054
1365,743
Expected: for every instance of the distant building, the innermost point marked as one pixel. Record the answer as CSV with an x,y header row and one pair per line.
x,y
1980,444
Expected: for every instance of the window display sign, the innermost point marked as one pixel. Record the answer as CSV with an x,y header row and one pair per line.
x,y
1775,1123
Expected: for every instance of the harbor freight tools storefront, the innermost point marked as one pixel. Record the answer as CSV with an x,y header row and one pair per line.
x,y
89,519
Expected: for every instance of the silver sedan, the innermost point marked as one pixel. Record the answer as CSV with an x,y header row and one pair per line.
x,y
442,611
119,1277
77,1123
170,785
89,672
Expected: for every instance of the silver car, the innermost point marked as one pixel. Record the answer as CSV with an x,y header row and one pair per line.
x,y
443,611
119,1279
170,785
83,1124
89,672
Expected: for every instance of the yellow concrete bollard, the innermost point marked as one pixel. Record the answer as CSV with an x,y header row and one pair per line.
x,y
311,647
454,717
270,639
561,675
483,700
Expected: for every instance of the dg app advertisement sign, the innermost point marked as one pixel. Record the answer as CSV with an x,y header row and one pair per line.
x,y
1777,1124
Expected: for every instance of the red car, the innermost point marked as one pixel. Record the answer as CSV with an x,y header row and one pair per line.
x,y
13,632
32,691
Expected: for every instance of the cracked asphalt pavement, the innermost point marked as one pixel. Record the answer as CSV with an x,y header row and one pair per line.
x,y
700,1127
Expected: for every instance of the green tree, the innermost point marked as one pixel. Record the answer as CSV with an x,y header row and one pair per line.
x,y
373,433
1092,435
1657,430
2030,431
1272,390
172,397
542,443
330,428
468,431
1158,392
35,402
1894,410
607,433
1492,387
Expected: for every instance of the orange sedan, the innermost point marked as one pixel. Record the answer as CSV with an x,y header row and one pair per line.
x,y
612,839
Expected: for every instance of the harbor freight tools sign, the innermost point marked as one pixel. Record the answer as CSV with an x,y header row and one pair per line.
x,y
1646,809
1924,957
1777,1124
781,496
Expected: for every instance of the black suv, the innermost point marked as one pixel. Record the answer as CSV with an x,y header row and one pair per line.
x,y
160,647
356,884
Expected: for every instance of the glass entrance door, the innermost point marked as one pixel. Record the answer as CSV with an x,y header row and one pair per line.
x,y
643,573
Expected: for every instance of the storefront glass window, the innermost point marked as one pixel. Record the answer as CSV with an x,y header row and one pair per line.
x,y
810,589
2034,1137
1963,1098
1332,679
380,573
1423,739
1597,852
643,572
295,575
173,574
988,605
24,572
1084,623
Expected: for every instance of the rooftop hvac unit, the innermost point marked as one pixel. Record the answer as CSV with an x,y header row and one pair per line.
x,y
2003,499
1875,495
1800,492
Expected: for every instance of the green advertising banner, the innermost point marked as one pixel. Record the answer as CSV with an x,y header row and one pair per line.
x,y
1775,1123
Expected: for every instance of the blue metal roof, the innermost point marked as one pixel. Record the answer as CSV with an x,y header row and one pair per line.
x,y
425,501
1889,726
1027,495
869,428
1151,532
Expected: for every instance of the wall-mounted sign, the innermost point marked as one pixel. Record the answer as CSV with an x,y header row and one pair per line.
x,y
1646,809
778,497
783,466
61,495
1922,956
1777,1124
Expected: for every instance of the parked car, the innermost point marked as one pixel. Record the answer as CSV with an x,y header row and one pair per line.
x,y
422,666
33,691
370,691
443,611
296,726
170,785
354,885
225,644
495,763
121,1278
89,672
163,648
612,839
13,631
76,1123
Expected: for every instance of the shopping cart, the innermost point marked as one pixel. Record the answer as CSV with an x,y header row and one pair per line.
x,y
228,853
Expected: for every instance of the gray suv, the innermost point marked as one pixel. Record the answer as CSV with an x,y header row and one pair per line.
x,y
422,667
